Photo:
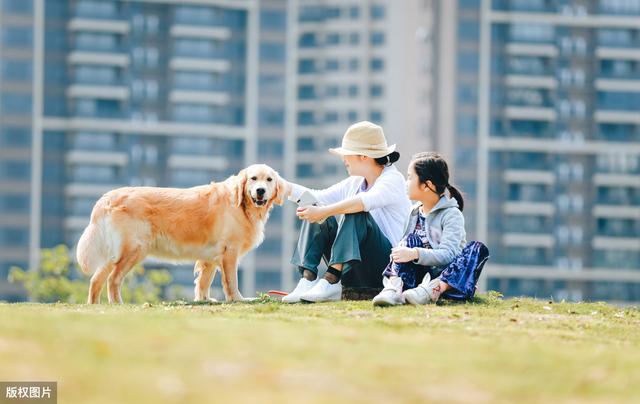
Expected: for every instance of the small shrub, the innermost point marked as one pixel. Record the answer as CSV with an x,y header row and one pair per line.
x,y
54,281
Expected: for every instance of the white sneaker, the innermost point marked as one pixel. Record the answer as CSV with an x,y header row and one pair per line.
x,y
423,293
323,291
302,287
391,295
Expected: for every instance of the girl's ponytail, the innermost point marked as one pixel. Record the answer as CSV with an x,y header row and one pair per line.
x,y
457,195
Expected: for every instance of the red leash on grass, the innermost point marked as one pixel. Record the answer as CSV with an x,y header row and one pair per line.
x,y
277,292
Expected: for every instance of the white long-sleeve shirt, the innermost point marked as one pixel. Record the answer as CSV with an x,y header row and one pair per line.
x,y
386,200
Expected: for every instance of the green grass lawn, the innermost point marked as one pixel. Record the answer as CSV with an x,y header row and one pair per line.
x,y
492,350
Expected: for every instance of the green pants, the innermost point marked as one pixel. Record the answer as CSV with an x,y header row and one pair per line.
x,y
356,242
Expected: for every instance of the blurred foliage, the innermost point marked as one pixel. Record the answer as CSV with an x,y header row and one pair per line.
x,y
54,281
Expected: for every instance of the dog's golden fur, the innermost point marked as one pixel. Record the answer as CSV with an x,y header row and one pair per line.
x,y
214,224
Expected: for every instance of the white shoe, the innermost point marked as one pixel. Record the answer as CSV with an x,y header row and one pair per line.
x,y
302,287
424,293
323,291
391,295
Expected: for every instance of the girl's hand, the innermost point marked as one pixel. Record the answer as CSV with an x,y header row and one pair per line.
x,y
313,214
403,254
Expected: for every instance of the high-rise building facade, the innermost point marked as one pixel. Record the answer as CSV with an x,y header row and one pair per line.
x,y
102,94
16,98
547,143
98,94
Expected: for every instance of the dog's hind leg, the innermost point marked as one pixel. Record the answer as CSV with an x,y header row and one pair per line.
x,y
230,276
122,267
205,271
97,282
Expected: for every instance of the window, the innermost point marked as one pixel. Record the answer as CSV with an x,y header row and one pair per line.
x,y
273,20
305,144
308,40
531,32
197,15
272,51
307,92
354,38
17,6
12,137
353,91
354,65
306,66
16,70
332,39
95,74
191,47
331,117
332,65
376,90
377,12
354,12
615,37
96,41
15,104
271,85
332,91
15,203
195,80
15,170
377,38
306,118
17,37
96,8
376,64
312,14
375,116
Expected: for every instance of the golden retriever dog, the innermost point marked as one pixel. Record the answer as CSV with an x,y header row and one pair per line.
x,y
214,225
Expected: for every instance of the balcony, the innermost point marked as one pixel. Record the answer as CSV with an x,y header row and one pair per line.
x,y
197,162
616,243
544,50
199,97
618,85
76,222
616,180
98,58
119,93
97,158
529,177
99,25
88,190
603,52
190,31
616,212
618,117
546,82
199,64
529,208
528,240
530,113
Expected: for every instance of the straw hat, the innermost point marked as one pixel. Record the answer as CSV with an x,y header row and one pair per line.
x,y
366,139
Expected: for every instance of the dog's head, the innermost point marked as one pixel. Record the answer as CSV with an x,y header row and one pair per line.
x,y
260,184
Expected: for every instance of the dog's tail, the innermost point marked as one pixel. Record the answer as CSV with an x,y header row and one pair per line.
x,y
93,250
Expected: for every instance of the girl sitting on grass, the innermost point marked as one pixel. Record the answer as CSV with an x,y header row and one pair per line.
x,y
433,245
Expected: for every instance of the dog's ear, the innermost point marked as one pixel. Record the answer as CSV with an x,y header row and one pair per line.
x,y
281,188
240,182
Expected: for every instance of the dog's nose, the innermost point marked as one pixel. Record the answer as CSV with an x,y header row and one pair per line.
x,y
260,191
